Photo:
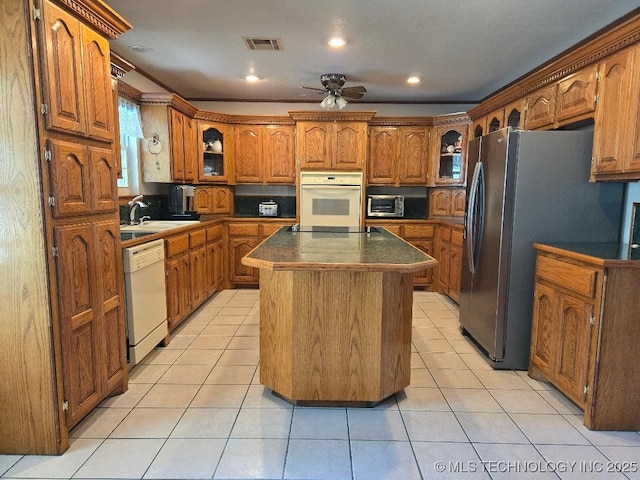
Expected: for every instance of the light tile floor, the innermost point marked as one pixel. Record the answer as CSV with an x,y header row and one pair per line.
x,y
195,409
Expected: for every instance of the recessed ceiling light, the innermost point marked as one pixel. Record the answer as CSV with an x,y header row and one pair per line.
x,y
140,49
336,42
413,80
251,78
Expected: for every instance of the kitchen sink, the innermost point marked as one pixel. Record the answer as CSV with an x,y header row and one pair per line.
x,y
154,226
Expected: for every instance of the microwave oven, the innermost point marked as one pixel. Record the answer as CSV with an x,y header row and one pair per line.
x,y
385,205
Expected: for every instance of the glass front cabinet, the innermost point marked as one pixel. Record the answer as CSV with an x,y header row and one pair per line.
x,y
450,165
214,146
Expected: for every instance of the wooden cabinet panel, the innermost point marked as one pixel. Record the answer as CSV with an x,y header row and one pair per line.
x,y
576,95
439,202
217,200
111,298
423,277
331,145
104,178
414,148
458,202
615,120
190,136
70,180
248,154
178,282
541,107
176,143
176,245
62,57
79,318
214,266
198,271
543,334
574,337
278,154
313,144
96,72
383,155
350,145
238,248
455,268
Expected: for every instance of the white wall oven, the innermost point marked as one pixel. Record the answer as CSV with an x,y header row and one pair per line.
x,y
331,199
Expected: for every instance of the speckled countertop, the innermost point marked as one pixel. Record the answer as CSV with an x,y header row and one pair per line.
x,y
374,249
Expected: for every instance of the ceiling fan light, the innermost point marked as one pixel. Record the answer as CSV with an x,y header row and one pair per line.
x,y
328,102
341,102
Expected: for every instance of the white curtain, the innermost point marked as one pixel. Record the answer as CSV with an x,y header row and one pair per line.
x,y
129,118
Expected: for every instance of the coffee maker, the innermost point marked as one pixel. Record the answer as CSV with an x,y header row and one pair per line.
x,y
181,202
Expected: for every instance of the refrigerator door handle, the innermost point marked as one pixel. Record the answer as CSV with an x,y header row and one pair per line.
x,y
474,219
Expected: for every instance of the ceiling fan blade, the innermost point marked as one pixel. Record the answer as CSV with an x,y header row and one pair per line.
x,y
353,92
319,90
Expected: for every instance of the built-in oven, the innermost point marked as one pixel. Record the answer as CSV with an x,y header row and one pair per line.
x,y
331,198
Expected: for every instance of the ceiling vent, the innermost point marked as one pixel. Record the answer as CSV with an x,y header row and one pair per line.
x,y
263,43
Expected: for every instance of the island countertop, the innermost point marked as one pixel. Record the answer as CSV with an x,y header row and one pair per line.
x,y
334,248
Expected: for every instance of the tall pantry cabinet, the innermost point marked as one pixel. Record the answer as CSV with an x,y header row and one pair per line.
x,y
63,335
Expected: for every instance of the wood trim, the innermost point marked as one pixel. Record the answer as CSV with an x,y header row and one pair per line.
x,y
332,116
616,36
129,92
119,66
99,15
170,100
243,119
452,119
401,121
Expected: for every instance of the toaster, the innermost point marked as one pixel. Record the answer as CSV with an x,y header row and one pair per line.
x,y
268,209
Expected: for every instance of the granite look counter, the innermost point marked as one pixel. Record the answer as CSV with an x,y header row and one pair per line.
x,y
335,314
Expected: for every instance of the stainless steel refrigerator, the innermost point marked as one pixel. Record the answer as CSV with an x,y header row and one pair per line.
x,y
525,187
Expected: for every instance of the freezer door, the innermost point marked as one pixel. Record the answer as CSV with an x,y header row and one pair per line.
x,y
482,300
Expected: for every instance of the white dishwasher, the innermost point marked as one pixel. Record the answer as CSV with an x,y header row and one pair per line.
x,y
146,301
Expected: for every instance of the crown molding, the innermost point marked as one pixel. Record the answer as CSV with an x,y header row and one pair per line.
x,y
169,100
615,37
128,92
119,66
451,119
332,116
99,15
401,121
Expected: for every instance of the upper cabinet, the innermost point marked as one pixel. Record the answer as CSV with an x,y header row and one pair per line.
x,y
398,155
77,76
331,141
169,152
541,108
616,142
264,154
331,145
448,152
215,147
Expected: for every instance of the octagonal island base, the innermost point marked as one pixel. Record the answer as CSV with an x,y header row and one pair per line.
x,y
335,314
335,336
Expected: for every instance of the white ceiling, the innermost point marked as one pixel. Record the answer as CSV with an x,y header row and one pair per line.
x,y
463,50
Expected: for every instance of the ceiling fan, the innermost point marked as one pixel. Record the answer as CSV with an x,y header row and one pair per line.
x,y
335,92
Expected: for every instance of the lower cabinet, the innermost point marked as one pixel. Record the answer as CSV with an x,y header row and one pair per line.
x,y
450,258
194,268
420,234
90,280
585,334
244,237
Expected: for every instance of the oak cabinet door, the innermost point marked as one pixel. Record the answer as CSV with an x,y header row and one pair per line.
x,y
278,154
576,94
82,348
313,144
414,148
70,178
423,277
238,248
176,144
248,153
544,331
110,295
541,108
62,58
574,339
96,78
190,140
104,178
383,155
612,117
350,151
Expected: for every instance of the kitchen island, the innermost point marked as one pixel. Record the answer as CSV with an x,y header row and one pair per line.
x,y
335,313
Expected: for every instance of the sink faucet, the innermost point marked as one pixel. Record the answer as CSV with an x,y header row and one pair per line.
x,y
134,203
